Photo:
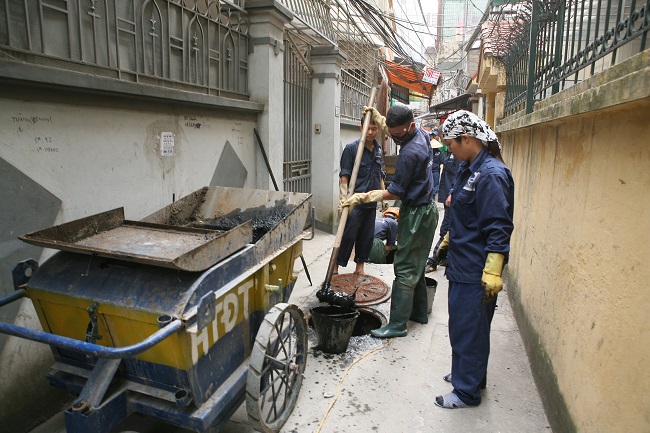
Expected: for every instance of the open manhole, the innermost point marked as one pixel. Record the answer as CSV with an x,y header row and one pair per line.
x,y
367,290
368,320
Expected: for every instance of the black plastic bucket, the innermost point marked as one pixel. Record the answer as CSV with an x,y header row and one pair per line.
x,y
431,292
334,326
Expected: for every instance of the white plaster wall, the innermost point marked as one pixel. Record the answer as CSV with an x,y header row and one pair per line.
x,y
267,87
349,133
95,159
326,146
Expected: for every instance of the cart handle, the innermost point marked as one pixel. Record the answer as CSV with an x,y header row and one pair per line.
x,y
89,348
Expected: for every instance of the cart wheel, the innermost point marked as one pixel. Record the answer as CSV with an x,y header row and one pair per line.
x,y
276,368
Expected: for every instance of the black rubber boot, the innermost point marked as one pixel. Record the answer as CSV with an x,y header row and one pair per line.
x,y
401,303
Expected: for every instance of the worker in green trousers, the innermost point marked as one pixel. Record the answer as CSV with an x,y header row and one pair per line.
x,y
413,185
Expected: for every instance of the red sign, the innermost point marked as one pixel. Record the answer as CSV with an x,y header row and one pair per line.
x,y
431,76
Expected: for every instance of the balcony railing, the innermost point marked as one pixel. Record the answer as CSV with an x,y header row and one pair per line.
x,y
316,15
195,45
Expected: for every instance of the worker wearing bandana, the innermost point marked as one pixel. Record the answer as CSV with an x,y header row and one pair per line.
x,y
418,217
476,247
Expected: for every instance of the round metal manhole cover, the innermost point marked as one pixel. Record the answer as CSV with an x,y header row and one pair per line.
x,y
369,290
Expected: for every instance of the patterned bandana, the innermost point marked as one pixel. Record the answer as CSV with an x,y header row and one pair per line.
x,y
464,122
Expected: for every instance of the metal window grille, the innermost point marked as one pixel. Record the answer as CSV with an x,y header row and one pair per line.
x,y
195,45
354,95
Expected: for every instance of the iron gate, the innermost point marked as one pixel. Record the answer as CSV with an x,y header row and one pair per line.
x,y
297,120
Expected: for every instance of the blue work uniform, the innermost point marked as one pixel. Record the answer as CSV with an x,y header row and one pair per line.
x,y
481,222
449,170
360,225
386,230
413,178
438,160
418,218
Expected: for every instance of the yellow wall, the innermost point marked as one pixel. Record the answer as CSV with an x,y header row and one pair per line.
x,y
578,274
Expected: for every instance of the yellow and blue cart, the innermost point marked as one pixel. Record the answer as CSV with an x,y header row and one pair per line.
x,y
181,316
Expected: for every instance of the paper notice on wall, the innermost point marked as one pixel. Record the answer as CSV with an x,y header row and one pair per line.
x,y
167,144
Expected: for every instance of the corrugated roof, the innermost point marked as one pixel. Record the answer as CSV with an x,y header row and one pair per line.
x,y
447,107
406,76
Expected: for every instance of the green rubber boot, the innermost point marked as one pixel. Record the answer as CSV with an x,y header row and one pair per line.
x,y
400,309
420,305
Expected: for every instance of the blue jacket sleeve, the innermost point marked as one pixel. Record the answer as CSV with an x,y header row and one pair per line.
x,y
494,205
392,232
347,160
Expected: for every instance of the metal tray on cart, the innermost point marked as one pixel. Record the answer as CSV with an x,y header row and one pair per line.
x,y
108,234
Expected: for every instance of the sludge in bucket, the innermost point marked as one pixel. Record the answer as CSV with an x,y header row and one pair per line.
x,y
334,326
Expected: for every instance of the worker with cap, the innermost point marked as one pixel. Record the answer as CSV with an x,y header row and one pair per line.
x,y
418,217
385,243
477,246
438,159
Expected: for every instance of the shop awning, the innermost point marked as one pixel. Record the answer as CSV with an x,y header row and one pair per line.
x,y
449,106
409,78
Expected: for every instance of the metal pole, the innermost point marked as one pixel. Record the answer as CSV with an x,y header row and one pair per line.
x,y
534,30
275,184
266,159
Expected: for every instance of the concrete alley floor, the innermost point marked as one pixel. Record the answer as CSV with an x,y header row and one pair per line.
x,y
392,389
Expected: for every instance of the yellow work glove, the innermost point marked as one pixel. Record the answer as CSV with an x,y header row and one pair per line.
x,y
363,197
343,193
377,118
442,248
491,279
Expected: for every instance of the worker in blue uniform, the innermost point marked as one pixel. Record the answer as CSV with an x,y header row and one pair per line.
x,y
385,243
449,170
477,247
360,227
438,160
418,217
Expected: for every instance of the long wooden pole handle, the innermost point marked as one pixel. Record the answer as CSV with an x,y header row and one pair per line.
x,y
351,183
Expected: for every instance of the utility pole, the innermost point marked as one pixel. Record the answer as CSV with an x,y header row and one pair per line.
x,y
463,58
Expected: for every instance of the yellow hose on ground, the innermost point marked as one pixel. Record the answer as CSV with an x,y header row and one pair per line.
x,y
338,391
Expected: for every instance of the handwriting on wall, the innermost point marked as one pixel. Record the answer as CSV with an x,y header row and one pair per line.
x,y
19,118
30,126
236,129
197,122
